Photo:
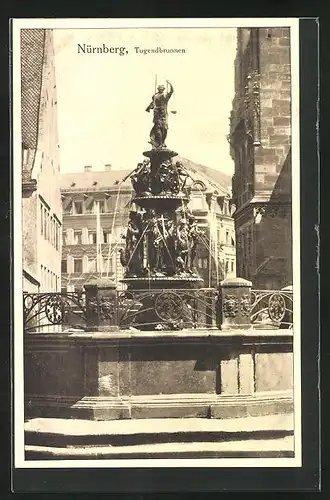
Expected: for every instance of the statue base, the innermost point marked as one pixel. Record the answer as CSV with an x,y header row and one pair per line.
x,y
163,282
160,152
167,201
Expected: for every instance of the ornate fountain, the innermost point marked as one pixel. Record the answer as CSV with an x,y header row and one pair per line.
x,y
162,233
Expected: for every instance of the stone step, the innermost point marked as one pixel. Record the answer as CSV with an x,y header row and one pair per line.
x,y
50,432
255,448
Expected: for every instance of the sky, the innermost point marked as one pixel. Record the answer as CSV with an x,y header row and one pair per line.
x,y
102,97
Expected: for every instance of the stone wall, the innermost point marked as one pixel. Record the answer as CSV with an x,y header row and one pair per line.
x,y
274,236
262,180
275,107
173,374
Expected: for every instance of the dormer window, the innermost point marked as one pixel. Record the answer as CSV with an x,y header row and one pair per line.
x,y
78,207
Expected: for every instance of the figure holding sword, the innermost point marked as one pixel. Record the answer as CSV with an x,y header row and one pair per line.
x,y
158,104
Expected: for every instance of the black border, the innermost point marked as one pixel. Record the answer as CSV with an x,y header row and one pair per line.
x,y
239,479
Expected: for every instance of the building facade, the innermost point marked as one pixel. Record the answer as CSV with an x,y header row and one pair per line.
x,y
95,214
41,195
96,205
260,141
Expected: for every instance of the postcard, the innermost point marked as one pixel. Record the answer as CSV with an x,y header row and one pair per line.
x,y
156,243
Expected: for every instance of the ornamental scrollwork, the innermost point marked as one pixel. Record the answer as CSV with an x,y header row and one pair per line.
x,y
169,306
276,307
54,309
230,306
245,305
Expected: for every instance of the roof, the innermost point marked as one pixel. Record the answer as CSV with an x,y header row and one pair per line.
x,y
213,175
32,56
108,179
86,180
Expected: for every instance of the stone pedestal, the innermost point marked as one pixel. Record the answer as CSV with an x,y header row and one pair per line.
x,y
235,299
123,375
101,305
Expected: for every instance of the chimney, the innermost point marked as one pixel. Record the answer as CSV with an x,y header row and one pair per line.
x,y
107,167
87,168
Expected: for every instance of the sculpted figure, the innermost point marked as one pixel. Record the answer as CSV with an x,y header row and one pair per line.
x,y
194,233
155,244
158,104
164,175
182,245
168,256
141,177
133,255
180,176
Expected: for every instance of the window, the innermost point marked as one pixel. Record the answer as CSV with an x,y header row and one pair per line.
x,y
227,237
68,208
89,206
77,268
64,238
92,238
107,236
77,238
57,237
102,206
227,266
45,223
232,266
42,219
52,227
78,207
205,263
64,266
200,263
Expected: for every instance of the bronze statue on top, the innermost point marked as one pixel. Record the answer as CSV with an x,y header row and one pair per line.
x,y
158,104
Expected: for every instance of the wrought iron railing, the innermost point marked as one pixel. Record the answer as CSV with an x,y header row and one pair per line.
x,y
272,308
154,309
54,311
167,309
